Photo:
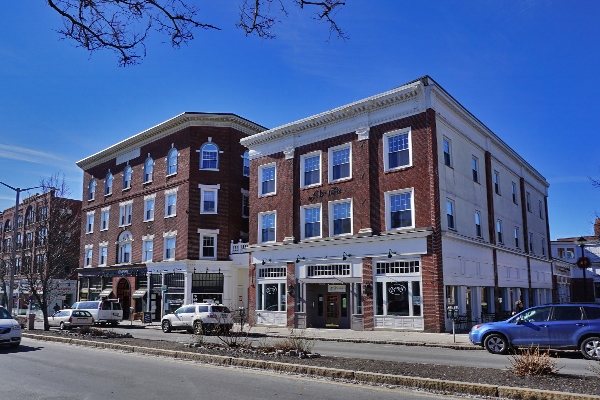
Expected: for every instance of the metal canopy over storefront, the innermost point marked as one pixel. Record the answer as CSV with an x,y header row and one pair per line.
x,y
140,293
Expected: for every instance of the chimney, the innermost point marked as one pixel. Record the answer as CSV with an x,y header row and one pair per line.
x,y
597,227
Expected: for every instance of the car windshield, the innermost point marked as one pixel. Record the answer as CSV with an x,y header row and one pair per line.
x,y
4,314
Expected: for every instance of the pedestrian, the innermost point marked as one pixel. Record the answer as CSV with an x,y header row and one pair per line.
x,y
518,307
56,308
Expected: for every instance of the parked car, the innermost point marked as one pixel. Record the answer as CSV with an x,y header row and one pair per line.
x,y
67,319
199,318
569,326
10,329
103,311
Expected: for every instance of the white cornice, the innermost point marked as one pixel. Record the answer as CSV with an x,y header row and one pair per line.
x,y
168,127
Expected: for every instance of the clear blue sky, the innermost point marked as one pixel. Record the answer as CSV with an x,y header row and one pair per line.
x,y
529,70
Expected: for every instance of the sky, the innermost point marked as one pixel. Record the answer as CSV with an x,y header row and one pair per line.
x,y
527,69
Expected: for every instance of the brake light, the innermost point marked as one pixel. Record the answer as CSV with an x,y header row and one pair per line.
x,y
70,319
212,316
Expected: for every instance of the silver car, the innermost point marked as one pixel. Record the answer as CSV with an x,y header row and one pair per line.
x,y
67,319
199,318
10,329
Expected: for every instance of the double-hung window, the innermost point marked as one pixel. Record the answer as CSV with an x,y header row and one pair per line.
x,y
148,169
108,182
528,201
208,243
399,209
447,152
171,203
209,198
517,237
311,221
496,178
148,248
89,225
475,168
478,231
499,231
127,177
104,218
125,212
450,214
102,255
310,175
267,176
267,226
124,243
340,162
397,149
149,202
340,217
92,190
88,257
172,161
514,192
170,242
246,164
209,156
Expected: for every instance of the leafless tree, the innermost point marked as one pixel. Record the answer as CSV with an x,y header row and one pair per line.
x,y
124,25
54,253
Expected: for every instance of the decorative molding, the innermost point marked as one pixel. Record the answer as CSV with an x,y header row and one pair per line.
x,y
362,131
288,152
288,240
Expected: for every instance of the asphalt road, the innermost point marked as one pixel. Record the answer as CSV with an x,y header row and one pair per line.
x,y
570,362
47,370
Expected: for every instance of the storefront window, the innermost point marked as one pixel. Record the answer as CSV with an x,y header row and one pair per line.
x,y
359,302
272,296
416,298
398,298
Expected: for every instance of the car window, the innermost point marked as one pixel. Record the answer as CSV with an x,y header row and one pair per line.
x,y
221,309
536,314
179,310
116,306
567,313
188,309
592,312
87,305
202,308
4,314
106,305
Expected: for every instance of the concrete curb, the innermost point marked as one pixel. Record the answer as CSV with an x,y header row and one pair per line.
x,y
436,385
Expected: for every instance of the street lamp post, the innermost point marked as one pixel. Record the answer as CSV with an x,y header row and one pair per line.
x,y
13,253
583,264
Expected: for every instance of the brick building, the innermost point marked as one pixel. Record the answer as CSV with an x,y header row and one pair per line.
x,y
161,210
383,212
36,220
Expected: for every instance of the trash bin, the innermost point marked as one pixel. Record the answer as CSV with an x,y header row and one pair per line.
x,y
31,322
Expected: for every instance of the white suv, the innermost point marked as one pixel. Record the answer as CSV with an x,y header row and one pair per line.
x,y
199,318
104,311
10,329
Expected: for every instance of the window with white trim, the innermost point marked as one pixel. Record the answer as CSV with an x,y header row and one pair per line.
x,y
172,161
92,190
475,168
102,255
209,195
148,169
271,296
310,169
170,203
397,149
514,192
398,297
89,225
104,218
310,221
478,230
450,214
209,156
246,164
272,272
127,177
208,243
88,257
399,209
169,246
124,246
496,180
499,231
267,179
398,267
340,217
125,213
517,244
147,250
447,145
340,162
328,270
267,226
108,182
149,202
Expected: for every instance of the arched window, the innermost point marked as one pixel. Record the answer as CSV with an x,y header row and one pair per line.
x,y
209,156
172,162
108,181
124,255
148,169
246,164
127,177
92,189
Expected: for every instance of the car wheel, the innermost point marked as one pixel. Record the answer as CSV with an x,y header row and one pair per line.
x,y
62,326
198,328
590,348
496,344
166,326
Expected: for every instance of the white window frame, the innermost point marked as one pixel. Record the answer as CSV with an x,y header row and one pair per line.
x,y
516,233
149,211
172,167
127,176
208,233
108,184
451,214
499,232
303,221
475,169
303,159
478,227
124,247
386,150
102,255
125,213
388,208
148,170
496,182
261,168
147,241
170,209
260,226
104,218
167,238
448,161
209,189
216,151
92,190
330,157
89,222
246,163
514,192
89,253
331,221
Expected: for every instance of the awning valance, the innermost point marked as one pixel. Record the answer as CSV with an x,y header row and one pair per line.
x,y
138,294
105,293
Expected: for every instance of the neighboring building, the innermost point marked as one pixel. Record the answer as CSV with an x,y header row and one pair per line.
x,y
569,250
163,207
383,212
34,223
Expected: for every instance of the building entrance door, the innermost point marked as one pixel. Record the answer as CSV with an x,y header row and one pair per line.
x,y
333,311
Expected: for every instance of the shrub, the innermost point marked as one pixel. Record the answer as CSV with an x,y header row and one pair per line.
x,y
530,361
300,342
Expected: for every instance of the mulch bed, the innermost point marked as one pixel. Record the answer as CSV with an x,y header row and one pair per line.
x,y
555,382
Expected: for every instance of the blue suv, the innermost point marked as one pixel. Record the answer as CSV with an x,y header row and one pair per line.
x,y
570,326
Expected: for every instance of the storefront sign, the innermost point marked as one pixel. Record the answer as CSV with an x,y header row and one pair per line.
x,y
336,288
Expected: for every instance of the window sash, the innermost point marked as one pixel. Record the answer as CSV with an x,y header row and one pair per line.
x,y
342,218
398,150
312,170
268,180
268,228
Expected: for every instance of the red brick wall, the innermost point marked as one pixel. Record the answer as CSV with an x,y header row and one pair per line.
x,y
368,303
291,300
